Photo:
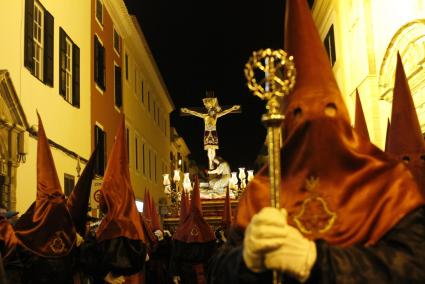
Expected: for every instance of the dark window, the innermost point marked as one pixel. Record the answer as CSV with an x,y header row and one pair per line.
x,y
127,131
68,182
150,165
143,92
99,63
149,101
126,66
118,87
330,45
154,111
155,168
136,152
69,69
143,159
100,141
38,41
117,42
310,3
99,11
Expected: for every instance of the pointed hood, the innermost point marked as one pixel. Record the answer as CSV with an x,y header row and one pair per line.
x,y
405,139
184,208
156,222
387,135
194,229
151,239
78,201
227,212
360,122
315,86
195,202
330,173
39,230
122,218
147,210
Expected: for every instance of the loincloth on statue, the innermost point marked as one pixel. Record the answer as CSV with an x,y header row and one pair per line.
x,y
210,139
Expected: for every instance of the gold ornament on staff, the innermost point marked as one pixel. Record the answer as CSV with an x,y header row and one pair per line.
x,y
276,82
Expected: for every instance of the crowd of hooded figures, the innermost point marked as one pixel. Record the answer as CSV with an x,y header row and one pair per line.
x,y
352,212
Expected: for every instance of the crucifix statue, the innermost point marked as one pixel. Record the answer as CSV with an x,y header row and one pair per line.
x,y
213,112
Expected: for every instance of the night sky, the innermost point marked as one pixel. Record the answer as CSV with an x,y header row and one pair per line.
x,y
204,45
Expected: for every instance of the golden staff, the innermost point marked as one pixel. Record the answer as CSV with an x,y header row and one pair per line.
x,y
279,79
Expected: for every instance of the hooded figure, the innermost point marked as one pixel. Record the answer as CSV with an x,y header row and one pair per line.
x,y
45,232
345,201
405,140
194,243
360,122
184,206
120,249
78,201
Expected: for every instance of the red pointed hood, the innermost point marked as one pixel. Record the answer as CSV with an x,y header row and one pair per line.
x,y
194,229
227,212
315,86
195,202
156,222
78,201
330,173
184,208
147,211
360,122
122,218
387,135
405,140
38,230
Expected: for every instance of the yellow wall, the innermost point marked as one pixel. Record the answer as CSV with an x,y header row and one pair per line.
x,y
364,30
140,122
64,124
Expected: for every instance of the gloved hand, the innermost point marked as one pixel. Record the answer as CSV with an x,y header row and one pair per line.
x,y
79,240
111,279
296,255
265,233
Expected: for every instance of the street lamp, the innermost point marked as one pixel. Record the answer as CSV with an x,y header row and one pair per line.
x,y
242,177
187,186
172,190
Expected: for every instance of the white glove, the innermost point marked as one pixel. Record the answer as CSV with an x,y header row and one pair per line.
x,y
296,255
109,278
79,240
159,235
176,279
265,233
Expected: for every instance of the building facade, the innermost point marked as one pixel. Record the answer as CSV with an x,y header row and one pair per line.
x,y
81,76
362,38
137,89
41,59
